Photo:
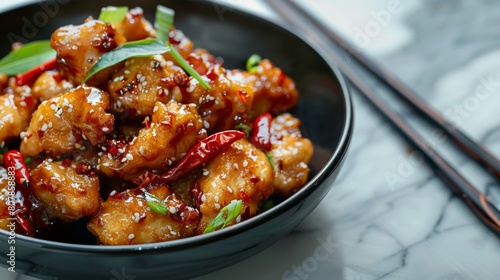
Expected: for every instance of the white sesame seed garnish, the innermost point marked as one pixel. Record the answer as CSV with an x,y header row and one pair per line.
x,y
130,157
131,236
105,129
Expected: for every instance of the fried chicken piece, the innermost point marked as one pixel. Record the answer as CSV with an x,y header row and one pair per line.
x,y
241,172
135,27
68,190
79,47
227,104
50,84
141,82
274,91
61,124
173,130
16,107
125,218
291,154
5,213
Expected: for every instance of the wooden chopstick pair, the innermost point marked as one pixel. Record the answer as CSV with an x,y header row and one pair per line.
x,y
358,69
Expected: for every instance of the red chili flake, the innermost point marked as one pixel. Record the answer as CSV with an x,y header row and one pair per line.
x,y
57,77
254,180
281,78
41,133
66,162
113,151
211,74
244,96
244,196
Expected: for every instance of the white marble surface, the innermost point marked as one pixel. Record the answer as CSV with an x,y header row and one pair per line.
x,y
414,228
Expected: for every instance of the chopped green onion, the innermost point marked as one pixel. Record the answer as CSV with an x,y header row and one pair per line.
x,y
4,150
28,160
113,14
253,63
157,205
226,214
266,205
142,48
188,68
271,161
245,128
164,22
27,57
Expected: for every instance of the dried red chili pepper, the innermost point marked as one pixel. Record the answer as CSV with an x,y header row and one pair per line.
x,y
201,153
14,162
30,76
261,131
14,159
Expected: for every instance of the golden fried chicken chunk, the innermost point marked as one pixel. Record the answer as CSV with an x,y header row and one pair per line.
x,y
50,84
241,172
291,154
79,47
126,218
134,26
274,91
61,124
173,130
68,189
227,104
5,214
16,107
141,82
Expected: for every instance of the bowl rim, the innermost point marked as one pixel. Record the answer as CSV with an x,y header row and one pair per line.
x,y
333,163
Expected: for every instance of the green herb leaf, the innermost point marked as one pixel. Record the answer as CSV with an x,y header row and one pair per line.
x,y
271,161
26,58
113,14
164,22
245,128
227,214
4,150
187,67
142,48
157,205
253,63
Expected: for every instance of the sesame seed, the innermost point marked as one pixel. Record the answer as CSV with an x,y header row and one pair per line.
x,y
172,210
44,127
238,219
229,189
105,129
131,236
130,157
217,205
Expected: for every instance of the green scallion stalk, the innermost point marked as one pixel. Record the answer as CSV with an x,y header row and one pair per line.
x,y
157,205
113,14
164,22
253,63
226,214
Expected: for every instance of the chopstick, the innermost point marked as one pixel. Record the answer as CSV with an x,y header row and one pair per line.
x,y
358,74
467,145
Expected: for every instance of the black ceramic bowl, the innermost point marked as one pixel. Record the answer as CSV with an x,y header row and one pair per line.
x,y
324,107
